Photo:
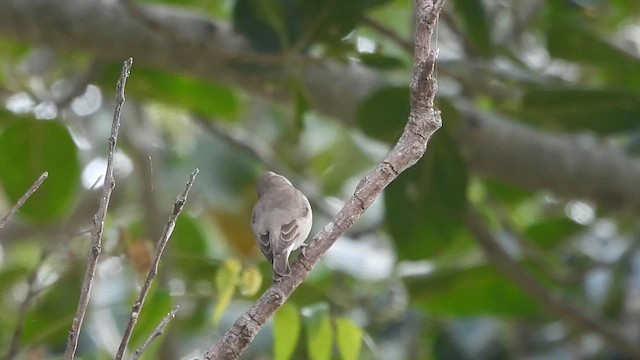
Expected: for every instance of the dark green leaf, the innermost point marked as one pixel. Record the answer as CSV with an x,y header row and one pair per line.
x,y
575,43
27,149
49,319
477,290
425,204
602,111
384,114
189,247
475,26
381,61
549,233
177,90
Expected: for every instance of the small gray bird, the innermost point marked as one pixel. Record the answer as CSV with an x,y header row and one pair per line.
x,y
281,221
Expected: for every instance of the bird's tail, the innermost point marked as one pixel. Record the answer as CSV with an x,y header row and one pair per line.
x,y
281,266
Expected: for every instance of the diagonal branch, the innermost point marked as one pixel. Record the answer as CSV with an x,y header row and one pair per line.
x,y
98,219
423,121
157,332
548,300
178,206
23,199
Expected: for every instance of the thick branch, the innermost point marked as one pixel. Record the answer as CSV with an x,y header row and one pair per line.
x,y
98,219
575,166
210,50
423,121
201,47
548,300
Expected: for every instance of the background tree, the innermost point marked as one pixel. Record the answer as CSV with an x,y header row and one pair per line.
x,y
514,237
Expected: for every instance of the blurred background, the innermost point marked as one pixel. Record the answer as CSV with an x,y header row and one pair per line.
x,y
515,237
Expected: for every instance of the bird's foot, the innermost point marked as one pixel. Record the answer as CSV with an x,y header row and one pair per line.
x,y
303,252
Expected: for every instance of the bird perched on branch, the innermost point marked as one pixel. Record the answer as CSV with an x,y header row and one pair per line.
x,y
281,221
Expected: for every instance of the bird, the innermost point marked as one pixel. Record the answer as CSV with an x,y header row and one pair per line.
x,y
281,221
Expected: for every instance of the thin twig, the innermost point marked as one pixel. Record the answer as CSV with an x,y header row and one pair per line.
x,y
23,199
178,206
424,120
98,219
554,303
157,332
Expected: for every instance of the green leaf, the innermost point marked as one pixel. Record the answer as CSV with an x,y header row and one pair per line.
x,y
425,204
189,247
9,275
572,41
177,90
49,322
27,149
475,26
384,114
381,61
349,339
319,332
603,111
250,280
549,233
286,331
476,290
227,279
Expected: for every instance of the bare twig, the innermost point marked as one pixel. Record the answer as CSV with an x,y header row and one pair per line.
x,y
98,219
178,206
423,121
23,199
554,303
157,332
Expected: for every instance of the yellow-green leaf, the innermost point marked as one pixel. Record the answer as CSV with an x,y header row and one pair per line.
x,y
349,339
319,332
286,331
227,279
250,281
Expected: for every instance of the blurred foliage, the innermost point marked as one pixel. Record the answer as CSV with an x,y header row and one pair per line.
x,y
409,282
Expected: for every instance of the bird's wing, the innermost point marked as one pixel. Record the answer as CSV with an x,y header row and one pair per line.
x,y
287,235
262,236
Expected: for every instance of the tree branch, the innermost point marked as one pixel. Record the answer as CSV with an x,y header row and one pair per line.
x,y
334,89
23,199
98,219
178,206
548,300
423,121
576,166
157,332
